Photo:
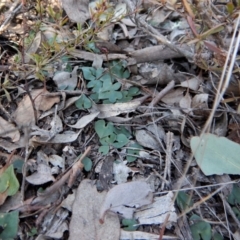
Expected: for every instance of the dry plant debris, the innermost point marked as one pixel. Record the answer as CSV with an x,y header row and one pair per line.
x,y
119,119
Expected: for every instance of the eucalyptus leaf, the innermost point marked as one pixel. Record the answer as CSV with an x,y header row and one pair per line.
x,y
216,155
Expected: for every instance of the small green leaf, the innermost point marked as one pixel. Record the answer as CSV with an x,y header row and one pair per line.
x,y
102,129
237,212
217,236
89,73
95,85
9,182
123,130
200,229
18,165
133,151
104,150
234,197
183,201
9,224
83,103
109,140
33,232
130,224
87,162
121,141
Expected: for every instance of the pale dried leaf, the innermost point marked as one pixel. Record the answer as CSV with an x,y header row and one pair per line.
x,y
8,130
85,212
125,197
68,202
120,11
43,175
172,97
146,139
185,103
85,120
66,80
65,137
56,161
157,212
127,235
77,10
111,110
192,83
24,114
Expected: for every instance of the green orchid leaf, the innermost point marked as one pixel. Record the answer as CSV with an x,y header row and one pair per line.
x,y
18,165
9,182
123,130
89,73
96,85
129,224
134,151
83,103
109,140
200,229
87,162
9,225
184,201
102,129
104,150
234,197
120,141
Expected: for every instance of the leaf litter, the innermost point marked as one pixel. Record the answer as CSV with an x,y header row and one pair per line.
x,y
122,97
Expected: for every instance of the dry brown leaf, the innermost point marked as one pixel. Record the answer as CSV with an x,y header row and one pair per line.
x,y
84,221
8,130
24,115
125,197
185,103
85,120
77,10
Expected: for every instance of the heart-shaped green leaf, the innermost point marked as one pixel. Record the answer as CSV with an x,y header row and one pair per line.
x,y
103,129
200,229
9,225
120,141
